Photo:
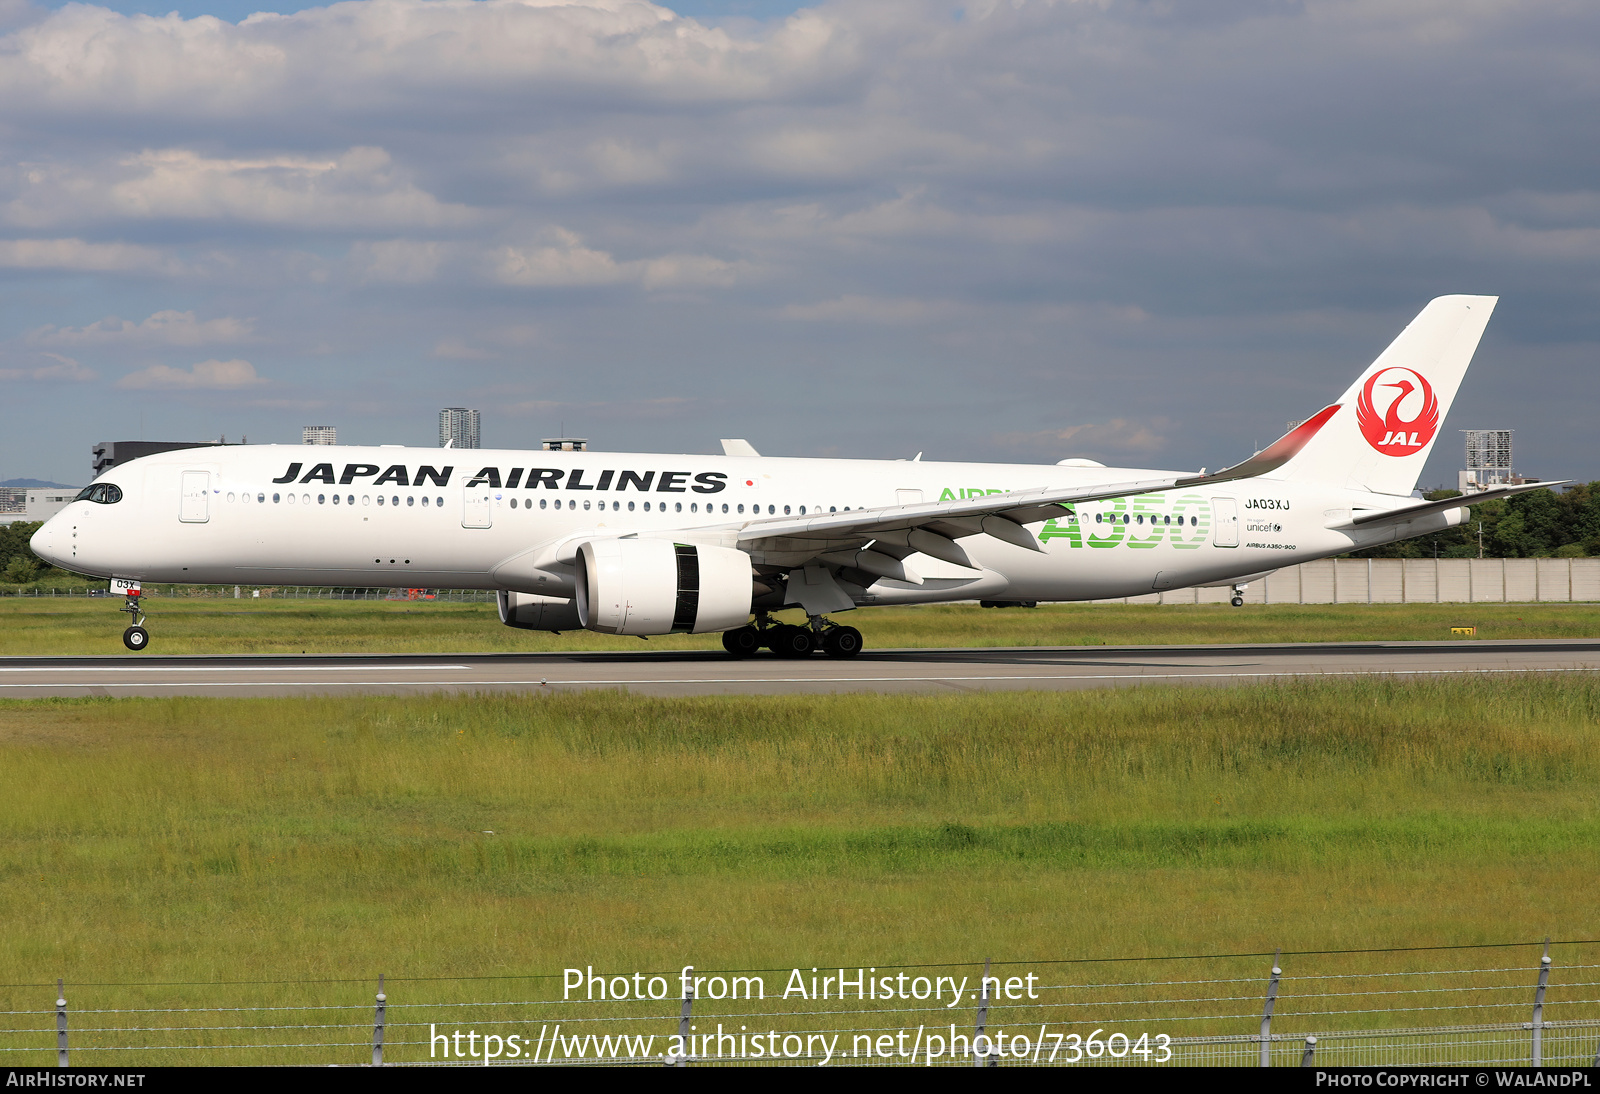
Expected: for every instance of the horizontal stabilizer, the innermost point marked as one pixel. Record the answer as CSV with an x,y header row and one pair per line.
x,y
1388,516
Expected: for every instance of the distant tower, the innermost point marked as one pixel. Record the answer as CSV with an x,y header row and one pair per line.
x,y
1488,459
458,428
319,434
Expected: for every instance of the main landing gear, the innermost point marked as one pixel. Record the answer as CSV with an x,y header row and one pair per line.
x,y
787,640
136,638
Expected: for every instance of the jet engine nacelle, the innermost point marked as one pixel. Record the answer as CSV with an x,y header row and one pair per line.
x,y
532,612
655,586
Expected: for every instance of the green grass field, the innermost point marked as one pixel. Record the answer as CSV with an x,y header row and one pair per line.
x,y
208,839
34,626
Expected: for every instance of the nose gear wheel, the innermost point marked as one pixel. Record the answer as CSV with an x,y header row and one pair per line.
x,y
136,638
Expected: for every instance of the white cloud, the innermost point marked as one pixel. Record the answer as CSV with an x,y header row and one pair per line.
x,y
569,263
359,188
400,261
172,328
210,375
76,254
354,56
62,369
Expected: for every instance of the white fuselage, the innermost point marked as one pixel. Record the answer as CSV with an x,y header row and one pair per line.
x,y
409,517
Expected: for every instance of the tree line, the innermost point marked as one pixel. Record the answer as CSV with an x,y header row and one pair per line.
x,y
1538,524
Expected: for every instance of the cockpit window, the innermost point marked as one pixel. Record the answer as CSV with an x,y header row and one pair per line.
x,y
101,493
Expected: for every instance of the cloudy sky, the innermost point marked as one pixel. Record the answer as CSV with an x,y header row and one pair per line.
x,y
1143,232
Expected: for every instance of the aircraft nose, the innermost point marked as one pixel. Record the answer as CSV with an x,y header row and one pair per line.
x,y
44,540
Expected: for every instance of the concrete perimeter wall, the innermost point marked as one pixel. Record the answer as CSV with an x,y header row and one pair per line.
x,y
1407,581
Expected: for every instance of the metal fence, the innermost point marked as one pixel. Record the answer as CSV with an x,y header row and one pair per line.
x,y
1326,581
1407,581
1504,1005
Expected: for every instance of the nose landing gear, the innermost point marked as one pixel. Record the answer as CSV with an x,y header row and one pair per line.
x,y
136,638
1238,596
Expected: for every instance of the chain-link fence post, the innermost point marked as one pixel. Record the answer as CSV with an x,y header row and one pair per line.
x,y
61,1024
1266,1011
1538,1006
377,1025
683,1025
982,1059
1310,1054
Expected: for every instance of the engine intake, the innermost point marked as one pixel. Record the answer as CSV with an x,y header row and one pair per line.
x,y
655,586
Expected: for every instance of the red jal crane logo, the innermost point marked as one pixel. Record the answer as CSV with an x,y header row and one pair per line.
x,y
1398,390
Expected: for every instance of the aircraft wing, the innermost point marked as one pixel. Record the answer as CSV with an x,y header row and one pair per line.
x,y
932,527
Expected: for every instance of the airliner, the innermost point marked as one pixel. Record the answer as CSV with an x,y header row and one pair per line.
x,y
650,544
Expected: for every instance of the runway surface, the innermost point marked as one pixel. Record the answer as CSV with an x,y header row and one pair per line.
x,y
906,670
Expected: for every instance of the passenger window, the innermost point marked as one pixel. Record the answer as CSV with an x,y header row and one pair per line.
x,y
772,509
230,497
541,503
677,507
261,499
586,504
336,499
646,507
322,499
725,507
438,501
276,497
741,507
424,503
410,501
630,507
694,507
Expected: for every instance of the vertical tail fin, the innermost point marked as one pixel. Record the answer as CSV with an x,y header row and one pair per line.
x,y
1384,426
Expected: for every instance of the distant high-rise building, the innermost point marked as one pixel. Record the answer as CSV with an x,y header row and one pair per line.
x,y
319,434
1488,459
458,428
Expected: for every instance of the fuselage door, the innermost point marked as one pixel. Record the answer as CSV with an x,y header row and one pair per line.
x,y
1225,532
475,506
194,506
